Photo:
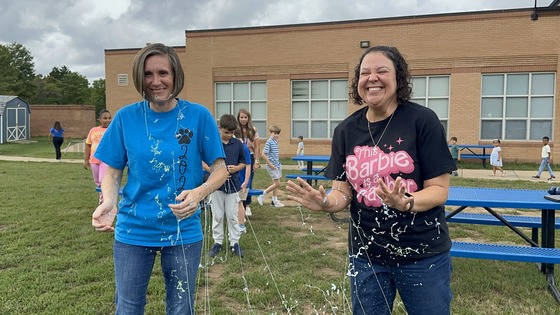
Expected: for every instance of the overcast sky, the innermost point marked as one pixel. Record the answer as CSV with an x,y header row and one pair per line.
x,y
75,33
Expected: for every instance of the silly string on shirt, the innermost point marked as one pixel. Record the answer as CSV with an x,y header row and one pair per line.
x,y
368,164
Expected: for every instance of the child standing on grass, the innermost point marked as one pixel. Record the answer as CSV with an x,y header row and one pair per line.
x,y
455,154
93,139
546,156
244,178
271,156
300,151
225,200
496,158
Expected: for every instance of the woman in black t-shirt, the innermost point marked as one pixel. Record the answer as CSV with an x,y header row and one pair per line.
x,y
390,163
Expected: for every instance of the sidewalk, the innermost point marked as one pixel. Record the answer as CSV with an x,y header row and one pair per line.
x,y
479,173
467,173
510,174
34,159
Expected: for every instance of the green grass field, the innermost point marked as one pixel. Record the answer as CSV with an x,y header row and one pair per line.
x,y
53,262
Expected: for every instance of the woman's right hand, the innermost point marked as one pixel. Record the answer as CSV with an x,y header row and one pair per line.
x,y
104,216
306,195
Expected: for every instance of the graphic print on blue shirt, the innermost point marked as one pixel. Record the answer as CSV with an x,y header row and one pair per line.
x,y
184,138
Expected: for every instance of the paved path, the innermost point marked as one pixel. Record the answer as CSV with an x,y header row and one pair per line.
x,y
34,159
467,173
470,173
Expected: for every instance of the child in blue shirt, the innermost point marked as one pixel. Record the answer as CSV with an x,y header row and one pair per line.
x,y
225,199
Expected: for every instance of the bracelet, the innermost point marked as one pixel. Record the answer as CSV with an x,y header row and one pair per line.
x,y
410,203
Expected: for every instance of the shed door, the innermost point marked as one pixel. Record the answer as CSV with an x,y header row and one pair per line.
x,y
16,127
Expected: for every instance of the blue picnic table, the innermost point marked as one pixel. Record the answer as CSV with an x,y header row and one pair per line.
x,y
474,152
309,159
522,199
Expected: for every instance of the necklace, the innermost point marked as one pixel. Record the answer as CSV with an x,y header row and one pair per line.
x,y
180,116
380,137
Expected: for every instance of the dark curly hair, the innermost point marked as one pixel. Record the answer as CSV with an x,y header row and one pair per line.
x,y
404,89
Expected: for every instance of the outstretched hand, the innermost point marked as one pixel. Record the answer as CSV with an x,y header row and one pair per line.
x,y
396,198
306,195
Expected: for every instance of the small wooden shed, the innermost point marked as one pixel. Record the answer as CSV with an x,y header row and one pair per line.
x,y
14,119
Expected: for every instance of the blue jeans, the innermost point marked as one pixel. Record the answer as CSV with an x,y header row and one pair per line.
x,y
424,286
133,268
545,163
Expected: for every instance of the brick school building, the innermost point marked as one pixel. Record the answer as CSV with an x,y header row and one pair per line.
x,y
487,74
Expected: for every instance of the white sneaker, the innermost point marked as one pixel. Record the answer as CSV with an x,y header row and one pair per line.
x,y
277,204
260,199
248,211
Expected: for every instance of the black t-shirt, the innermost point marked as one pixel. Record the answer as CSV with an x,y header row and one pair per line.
x,y
413,147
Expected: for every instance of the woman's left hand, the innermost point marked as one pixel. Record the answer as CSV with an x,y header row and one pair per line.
x,y
395,198
187,206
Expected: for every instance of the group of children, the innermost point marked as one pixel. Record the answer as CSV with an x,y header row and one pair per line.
x,y
496,157
229,200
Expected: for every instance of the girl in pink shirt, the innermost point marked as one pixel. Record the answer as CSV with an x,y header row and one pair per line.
x,y
98,168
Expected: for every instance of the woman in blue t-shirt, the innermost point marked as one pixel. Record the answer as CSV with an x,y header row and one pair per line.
x,y
162,140
56,135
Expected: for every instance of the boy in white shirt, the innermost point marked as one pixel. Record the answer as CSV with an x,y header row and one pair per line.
x,y
546,155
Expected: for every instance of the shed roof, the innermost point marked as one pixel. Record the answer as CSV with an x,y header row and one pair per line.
x,y
4,99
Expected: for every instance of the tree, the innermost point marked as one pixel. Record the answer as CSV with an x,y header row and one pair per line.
x,y
60,86
17,71
97,96
47,91
74,88
59,73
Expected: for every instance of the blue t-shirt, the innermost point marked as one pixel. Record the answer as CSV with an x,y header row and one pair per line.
x,y
234,156
164,154
247,162
57,133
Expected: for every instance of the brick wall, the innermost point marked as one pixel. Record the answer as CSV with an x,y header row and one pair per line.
x,y
76,120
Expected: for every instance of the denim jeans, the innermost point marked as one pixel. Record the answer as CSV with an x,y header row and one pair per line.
x,y
424,286
545,163
57,142
133,268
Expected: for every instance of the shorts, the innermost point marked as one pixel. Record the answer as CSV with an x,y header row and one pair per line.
x,y
274,174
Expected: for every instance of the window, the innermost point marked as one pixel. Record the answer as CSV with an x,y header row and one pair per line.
x,y
318,106
122,79
517,106
233,96
433,92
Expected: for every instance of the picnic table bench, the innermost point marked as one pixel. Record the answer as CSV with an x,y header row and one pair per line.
x,y
307,177
506,252
310,174
533,222
315,170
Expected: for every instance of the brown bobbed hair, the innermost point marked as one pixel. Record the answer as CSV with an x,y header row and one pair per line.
x,y
157,49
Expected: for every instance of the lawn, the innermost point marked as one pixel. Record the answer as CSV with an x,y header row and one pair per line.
x,y
53,262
